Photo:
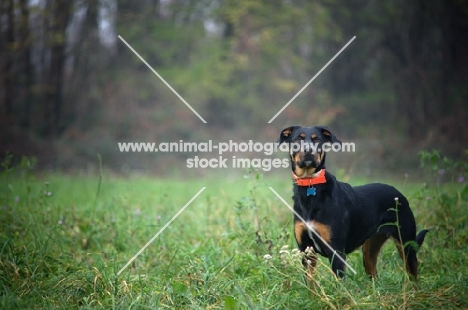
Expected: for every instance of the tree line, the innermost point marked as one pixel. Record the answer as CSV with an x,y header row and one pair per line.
x,y
65,74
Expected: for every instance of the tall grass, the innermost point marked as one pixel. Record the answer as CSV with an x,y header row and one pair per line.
x,y
61,246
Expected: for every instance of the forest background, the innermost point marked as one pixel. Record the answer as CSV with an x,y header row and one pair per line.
x,y
70,89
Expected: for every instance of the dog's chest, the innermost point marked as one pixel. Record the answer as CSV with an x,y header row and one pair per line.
x,y
314,207
317,244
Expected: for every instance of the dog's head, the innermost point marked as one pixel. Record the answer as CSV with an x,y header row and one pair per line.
x,y
307,147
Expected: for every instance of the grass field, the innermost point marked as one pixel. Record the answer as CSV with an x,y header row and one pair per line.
x,y
64,238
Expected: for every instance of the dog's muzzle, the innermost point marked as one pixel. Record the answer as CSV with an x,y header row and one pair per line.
x,y
308,160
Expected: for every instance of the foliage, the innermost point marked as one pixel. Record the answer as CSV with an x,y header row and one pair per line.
x,y
434,163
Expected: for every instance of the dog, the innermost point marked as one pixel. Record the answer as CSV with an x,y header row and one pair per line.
x,y
345,217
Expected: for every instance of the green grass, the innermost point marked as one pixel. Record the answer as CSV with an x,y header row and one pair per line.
x,y
63,240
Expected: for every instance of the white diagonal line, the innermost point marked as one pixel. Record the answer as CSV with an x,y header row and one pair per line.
x,y
305,86
311,229
161,78
160,231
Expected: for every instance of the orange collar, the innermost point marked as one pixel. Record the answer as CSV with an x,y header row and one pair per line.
x,y
309,181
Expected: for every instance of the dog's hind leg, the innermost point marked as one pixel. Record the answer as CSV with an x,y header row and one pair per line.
x,y
408,255
403,233
370,251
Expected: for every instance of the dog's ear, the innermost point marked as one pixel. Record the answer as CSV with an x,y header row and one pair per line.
x,y
285,134
328,134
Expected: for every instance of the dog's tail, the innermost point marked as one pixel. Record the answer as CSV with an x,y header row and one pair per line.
x,y
420,237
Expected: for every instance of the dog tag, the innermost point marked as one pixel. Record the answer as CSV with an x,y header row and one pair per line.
x,y
311,191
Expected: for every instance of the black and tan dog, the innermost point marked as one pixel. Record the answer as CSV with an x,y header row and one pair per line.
x,y
345,217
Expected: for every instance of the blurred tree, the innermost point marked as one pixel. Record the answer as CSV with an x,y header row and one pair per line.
x,y
63,76
8,48
58,21
26,69
405,70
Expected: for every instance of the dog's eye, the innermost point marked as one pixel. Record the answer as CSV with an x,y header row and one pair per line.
x,y
317,140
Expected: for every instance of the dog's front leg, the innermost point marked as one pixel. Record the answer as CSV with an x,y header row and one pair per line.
x,y
338,265
310,262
